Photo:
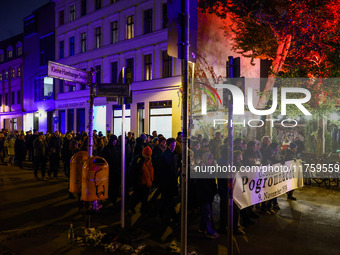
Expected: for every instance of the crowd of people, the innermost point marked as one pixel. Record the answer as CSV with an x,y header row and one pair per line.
x,y
153,166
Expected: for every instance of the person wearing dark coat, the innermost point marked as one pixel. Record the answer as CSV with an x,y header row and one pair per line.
x,y
30,144
168,184
139,146
206,191
66,154
40,155
20,149
111,154
54,145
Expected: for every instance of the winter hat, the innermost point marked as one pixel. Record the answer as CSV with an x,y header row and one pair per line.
x,y
292,145
155,140
147,151
143,137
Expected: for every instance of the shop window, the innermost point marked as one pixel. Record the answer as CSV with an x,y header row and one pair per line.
x,y
70,120
161,118
140,118
80,120
62,121
117,119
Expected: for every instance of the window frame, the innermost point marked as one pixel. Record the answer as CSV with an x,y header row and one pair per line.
x,y
72,12
147,67
130,27
114,32
83,42
98,37
148,18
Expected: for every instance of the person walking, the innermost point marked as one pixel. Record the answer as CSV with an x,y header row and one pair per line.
x,y
40,154
20,149
55,147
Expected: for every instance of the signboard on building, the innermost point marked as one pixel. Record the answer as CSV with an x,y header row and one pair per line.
x,y
67,73
112,90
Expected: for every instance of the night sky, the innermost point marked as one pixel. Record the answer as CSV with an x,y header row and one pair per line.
x,y
12,13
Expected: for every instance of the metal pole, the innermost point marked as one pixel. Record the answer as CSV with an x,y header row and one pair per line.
x,y
185,76
122,215
91,114
230,180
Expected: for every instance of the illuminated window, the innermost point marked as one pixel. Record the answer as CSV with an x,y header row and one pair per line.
x,y
10,52
72,12
6,76
2,56
161,117
18,72
12,73
117,119
130,27
148,67
129,70
44,89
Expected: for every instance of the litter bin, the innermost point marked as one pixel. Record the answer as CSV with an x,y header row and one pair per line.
x,y
95,179
76,167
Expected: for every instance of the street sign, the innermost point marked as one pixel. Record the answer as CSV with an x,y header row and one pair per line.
x,y
112,90
67,73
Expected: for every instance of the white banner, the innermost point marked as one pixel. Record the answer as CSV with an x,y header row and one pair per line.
x,y
266,182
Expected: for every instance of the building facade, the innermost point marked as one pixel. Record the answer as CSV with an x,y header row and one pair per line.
x,y
39,92
11,80
109,36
